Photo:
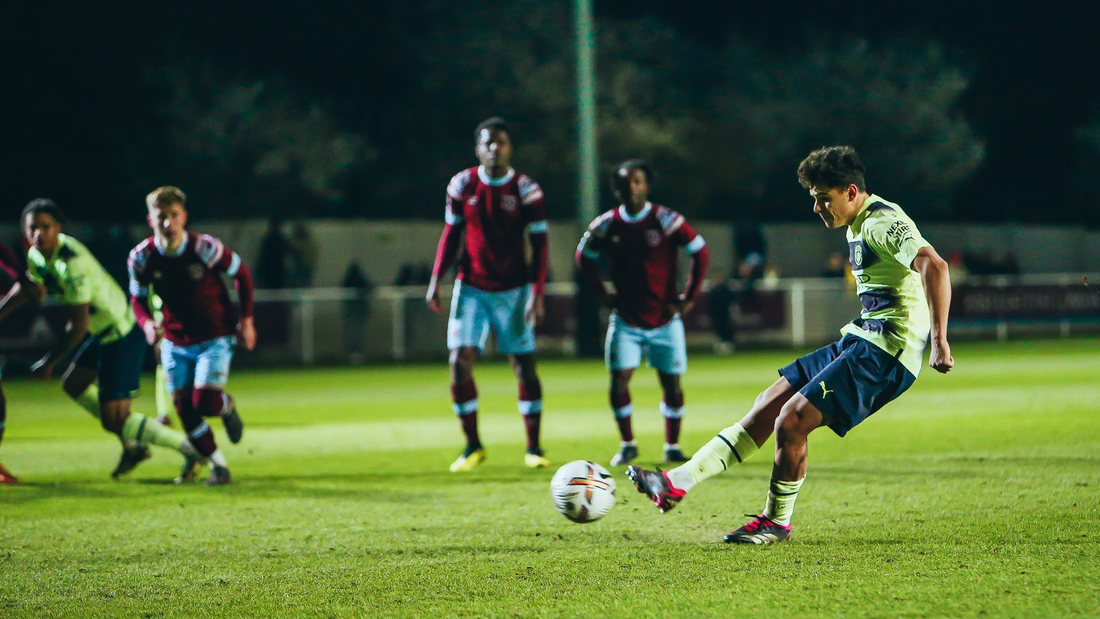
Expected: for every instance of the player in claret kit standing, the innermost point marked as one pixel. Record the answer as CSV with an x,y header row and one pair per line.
x,y
105,370
906,292
201,321
489,210
641,241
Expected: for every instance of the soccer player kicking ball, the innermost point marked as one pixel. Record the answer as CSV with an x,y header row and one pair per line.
x,y
489,209
905,290
200,322
641,241
109,348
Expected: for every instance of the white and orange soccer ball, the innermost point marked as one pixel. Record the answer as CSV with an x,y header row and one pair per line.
x,y
583,491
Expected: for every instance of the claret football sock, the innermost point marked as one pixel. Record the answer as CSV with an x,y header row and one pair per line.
x,y
624,411
464,395
781,497
732,446
140,428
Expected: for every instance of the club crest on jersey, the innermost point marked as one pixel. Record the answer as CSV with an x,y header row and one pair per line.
x,y
195,271
857,256
156,275
508,203
653,238
472,201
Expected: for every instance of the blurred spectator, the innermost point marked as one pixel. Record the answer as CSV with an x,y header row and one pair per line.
x,y
836,266
271,264
414,274
302,257
957,269
750,271
357,311
719,300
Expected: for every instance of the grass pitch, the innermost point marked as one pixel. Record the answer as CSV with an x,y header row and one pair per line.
x,y
975,494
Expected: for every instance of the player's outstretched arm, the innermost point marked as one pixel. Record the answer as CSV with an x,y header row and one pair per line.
x,y
937,287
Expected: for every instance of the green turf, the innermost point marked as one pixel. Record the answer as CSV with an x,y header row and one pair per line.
x,y
976,494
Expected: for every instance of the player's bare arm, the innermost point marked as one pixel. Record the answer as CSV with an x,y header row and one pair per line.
x,y
74,335
937,287
444,257
536,308
246,332
151,328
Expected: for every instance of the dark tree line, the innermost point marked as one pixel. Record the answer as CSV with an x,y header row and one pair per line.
x,y
724,128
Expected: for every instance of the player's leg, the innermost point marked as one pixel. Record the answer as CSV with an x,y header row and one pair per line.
x,y
467,332
211,400
120,365
79,383
530,407
738,442
179,363
5,475
163,396
516,338
667,354
672,409
798,418
622,354
859,381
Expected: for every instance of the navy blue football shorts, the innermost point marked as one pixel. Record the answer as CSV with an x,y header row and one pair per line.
x,y
848,381
117,364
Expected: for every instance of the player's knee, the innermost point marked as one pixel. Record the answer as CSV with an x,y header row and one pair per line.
x,y
792,422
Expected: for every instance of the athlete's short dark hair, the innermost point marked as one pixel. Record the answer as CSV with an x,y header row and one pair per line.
x,y
43,205
834,167
496,123
620,177
163,196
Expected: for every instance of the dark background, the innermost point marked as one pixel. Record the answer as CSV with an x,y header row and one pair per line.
x,y
77,96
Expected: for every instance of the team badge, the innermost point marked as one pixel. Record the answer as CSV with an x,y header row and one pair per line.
x,y
857,255
156,275
472,201
508,203
653,238
195,271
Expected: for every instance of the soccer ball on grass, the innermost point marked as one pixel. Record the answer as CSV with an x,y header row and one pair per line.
x,y
583,491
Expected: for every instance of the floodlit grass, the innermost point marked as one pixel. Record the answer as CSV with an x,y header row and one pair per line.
x,y
976,494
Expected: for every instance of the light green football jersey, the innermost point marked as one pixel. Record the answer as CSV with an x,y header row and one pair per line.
x,y
74,277
882,243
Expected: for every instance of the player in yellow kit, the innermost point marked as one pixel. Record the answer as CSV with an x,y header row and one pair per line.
x,y
906,293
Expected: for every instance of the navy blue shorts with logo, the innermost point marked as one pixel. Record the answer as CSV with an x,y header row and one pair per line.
x,y
848,381
118,364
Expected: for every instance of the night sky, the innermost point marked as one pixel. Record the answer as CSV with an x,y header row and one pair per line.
x,y
72,75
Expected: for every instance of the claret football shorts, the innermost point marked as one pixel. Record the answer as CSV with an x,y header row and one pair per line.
x,y
665,347
474,312
848,381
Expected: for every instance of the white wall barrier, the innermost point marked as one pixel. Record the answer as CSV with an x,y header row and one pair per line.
x,y
340,326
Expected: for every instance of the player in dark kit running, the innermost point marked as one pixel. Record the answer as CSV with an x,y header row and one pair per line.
x,y
641,241
203,315
905,290
489,210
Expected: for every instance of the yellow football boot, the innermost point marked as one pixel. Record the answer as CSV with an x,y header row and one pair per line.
x,y
536,460
468,461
